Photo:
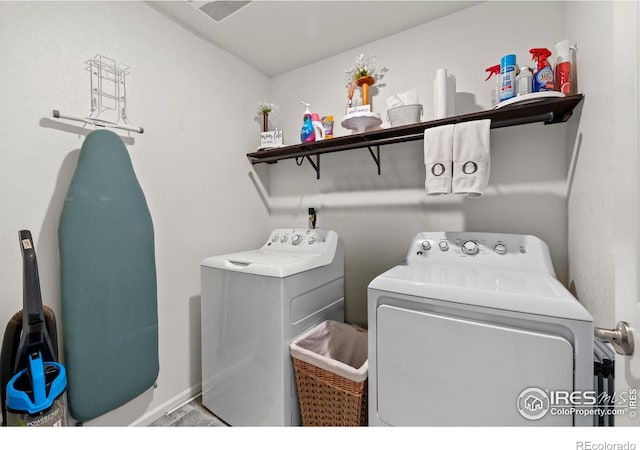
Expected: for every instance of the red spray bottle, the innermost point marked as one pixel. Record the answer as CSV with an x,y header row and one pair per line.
x,y
543,75
495,90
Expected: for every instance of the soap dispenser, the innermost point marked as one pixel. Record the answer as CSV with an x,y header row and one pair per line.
x,y
307,133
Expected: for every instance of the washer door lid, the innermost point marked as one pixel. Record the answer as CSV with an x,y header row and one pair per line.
x,y
435,370
277,264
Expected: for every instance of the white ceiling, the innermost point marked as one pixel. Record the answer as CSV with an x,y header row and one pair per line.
x,y
279,36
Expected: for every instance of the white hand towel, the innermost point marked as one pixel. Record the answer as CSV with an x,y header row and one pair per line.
x,y
438,154
471,157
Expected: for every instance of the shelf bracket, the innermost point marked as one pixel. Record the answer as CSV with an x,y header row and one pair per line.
x,y
315,165
375,156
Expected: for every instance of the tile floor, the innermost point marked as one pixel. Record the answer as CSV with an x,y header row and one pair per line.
x,y
192,414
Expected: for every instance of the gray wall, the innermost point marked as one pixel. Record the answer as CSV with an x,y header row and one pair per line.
x,y
195,102
591,203
197,182
377,216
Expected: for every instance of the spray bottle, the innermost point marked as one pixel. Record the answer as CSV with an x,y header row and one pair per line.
x,y
307,133
495,90
543,75
565,81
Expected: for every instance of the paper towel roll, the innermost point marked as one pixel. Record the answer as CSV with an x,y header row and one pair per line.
x,y
444,94
440,94
451,95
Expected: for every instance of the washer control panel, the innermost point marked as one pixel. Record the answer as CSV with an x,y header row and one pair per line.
x,y
295,239
496,249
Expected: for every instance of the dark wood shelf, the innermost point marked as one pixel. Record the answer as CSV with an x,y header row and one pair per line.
x,y
549,111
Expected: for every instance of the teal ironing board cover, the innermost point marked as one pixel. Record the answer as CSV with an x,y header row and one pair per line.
x,y
107,281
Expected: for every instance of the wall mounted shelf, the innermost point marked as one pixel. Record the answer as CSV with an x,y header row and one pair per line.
x,y
548,111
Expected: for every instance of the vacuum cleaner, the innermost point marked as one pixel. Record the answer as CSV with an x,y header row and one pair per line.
x,y
33,382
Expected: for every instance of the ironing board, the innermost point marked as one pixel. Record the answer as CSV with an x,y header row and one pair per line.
x,y
108,281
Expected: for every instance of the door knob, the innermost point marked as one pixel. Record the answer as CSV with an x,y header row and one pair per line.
x,y
620,337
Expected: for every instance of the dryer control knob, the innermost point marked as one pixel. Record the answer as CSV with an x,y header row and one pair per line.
x,y
274,238
426,245
296,239
444,245
283,239
500,249
470,248
312,239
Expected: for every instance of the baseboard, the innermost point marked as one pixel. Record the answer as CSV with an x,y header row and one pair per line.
x,y
152,415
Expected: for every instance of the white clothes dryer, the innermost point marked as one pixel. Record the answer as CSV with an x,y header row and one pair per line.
x,y
254,303
474,329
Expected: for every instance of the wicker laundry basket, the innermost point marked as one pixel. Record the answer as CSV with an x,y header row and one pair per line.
x,y
330,364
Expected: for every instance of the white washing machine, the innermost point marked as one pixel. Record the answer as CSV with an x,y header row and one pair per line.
x,y
474,329
254,303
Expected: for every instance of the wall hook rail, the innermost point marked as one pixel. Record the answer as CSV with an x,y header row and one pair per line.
x,y
96,122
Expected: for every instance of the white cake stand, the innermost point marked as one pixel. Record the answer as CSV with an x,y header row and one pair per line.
x,y
361,121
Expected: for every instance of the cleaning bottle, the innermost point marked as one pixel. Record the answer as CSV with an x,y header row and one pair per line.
x,y
524,81
495,89
564,70
318,128
507,77
307,133
543,75
327,123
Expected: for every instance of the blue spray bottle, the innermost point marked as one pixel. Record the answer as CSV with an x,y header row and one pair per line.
x,y
307,133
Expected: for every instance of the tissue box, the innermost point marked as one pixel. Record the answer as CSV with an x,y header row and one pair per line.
x,y
404,115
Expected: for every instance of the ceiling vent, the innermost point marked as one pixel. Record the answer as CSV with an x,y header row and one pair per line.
x,y
219,10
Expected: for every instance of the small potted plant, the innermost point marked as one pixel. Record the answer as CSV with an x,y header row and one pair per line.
x,y
268,139
264,109
363,73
